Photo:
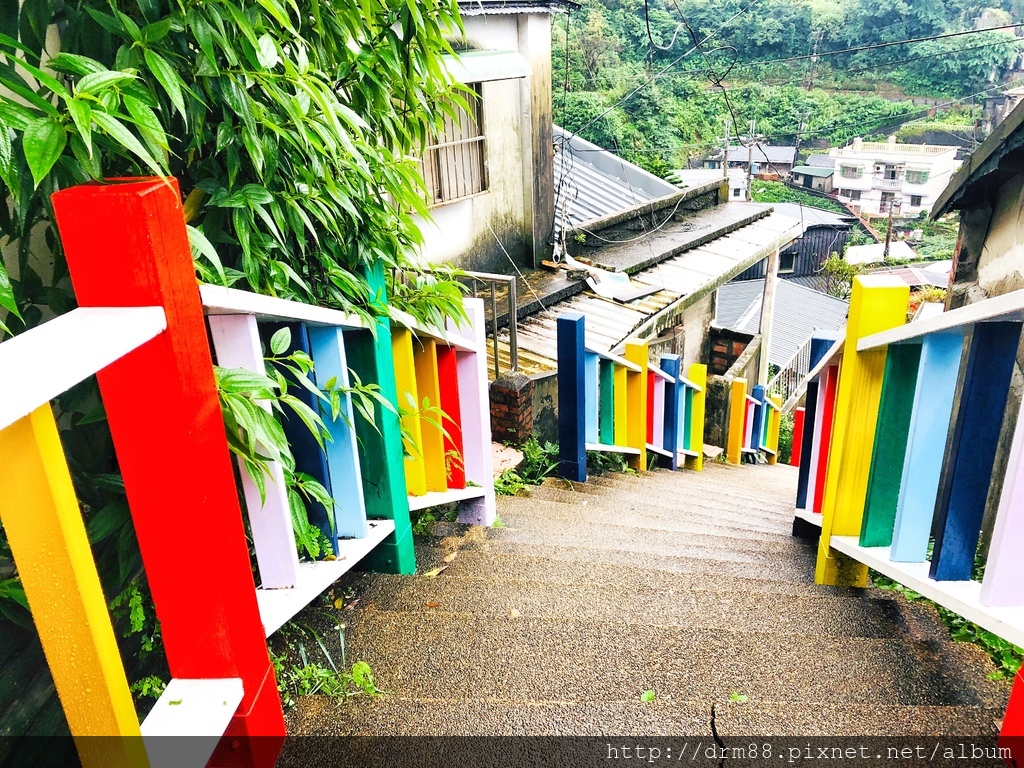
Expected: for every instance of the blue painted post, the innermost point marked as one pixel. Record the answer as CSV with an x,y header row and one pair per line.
x,y
760,417
977,420
674,398
591,395
926,445
328,345
572,451
309,456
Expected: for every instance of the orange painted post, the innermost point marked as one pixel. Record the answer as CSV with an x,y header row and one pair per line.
x,y
428,389
737,421
636,404
877,303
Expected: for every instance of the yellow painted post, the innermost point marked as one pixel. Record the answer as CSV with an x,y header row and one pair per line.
x,y
737,421
699,376
50,546
877,303
636,396
409,404
428,388
621,411
773,428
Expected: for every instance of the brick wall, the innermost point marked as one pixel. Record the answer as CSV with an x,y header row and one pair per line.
x,y
726,347
511,408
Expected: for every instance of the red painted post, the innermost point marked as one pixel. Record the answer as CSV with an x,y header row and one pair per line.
x,y
448,380
798,437
1012,734
828,412
126,245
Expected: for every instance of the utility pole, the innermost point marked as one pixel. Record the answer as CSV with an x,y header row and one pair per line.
x,y
888,229
799,130
750,158
725,150
771,278
814,58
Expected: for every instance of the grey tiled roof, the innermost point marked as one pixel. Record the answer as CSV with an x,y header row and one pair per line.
x,y
799,311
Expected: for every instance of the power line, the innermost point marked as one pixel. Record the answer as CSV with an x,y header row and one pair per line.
x,y
876,46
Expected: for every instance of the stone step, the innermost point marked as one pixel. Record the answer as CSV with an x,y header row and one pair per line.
x,y
400,716
738,510
762,565
636,514
500,562
876,614
647,541
439,656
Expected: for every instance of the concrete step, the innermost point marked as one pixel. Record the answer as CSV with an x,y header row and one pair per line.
x,y
423,655
400,716
876,614
500,563
634,514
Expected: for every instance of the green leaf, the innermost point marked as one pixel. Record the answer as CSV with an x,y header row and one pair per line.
x,y
117,131
168,78
96,82
202,246
281,340
73,64
81,115
647,695
43,142
266,53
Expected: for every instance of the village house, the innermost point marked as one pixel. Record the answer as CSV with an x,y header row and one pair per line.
x,y
489,175
762,159
818,179
874,178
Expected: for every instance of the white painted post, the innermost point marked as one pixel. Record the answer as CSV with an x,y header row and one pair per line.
x,y
236,342
476,419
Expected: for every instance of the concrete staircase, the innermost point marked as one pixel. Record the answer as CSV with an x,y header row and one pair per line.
x,y
687,584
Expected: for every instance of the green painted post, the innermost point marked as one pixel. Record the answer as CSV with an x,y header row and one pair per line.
x,y
380,452
606,413
890,448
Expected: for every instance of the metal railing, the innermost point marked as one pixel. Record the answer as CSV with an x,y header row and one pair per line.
x,y
492,281
789,378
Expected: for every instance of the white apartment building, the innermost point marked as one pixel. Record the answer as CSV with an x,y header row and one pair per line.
x,y
873,177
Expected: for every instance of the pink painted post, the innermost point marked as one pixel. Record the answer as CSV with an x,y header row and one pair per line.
x,y
236,341
1003,584
658,418
476,419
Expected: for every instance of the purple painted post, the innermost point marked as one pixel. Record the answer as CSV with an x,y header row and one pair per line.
x,y
236,341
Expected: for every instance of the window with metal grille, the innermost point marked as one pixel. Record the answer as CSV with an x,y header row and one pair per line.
x,y
455,165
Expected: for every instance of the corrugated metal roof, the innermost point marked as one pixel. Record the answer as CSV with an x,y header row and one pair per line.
x,y
821,161
798,312
591,183
481,7
815,217
762,153
683,278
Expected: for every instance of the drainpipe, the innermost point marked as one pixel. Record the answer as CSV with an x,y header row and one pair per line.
x,y
767,310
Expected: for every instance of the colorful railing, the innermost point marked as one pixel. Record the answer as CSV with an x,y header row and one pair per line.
x,y
901,447
140,329
625,405
754,421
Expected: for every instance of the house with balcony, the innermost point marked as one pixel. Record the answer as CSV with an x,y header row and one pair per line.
x,y
874,178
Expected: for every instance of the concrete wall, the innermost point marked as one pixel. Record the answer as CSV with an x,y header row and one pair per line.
x,y
512,220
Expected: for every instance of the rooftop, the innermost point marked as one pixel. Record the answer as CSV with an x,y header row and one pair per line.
x,y
821,161
592,183
808,170
872,253
995,160
816,217
798,312
860,148
482,7
762,153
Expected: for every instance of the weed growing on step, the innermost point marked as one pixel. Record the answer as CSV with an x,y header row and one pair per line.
x,y
423,518
785,438
298,676
498,522
539,461
738,697
1006,656
647,695
601,462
